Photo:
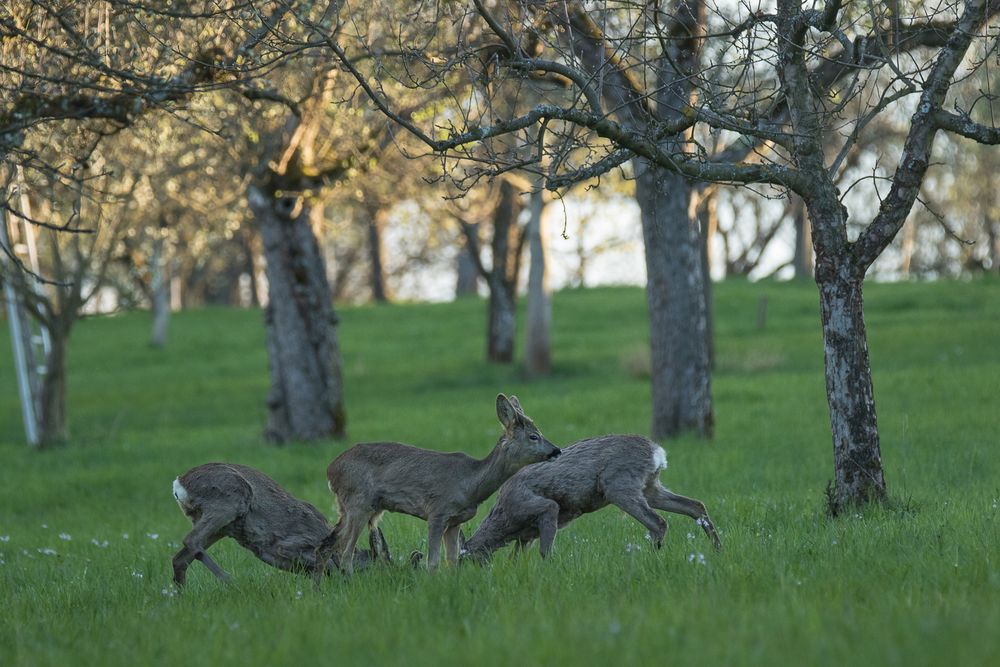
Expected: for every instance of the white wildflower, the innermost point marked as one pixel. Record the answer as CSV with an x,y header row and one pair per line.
x,y
690,536
234,626
298,595
169,592
99,543
47,551
834,542
45,525
65,536
153,536
137,575
124,536
6,538
698,558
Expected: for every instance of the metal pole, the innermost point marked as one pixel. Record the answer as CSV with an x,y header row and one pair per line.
x,y
17,341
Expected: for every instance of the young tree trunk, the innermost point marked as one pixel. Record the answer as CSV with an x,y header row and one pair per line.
x,y
376,253
856,456
993,233
306,399
159,294
467,273
708,223
52,427
537,346
679,351
502,325
802,257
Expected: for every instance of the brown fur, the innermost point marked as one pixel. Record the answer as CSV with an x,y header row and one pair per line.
x,y
230,500
591,474
445,490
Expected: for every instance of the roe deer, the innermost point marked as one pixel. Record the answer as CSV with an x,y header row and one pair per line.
x,y
622,470
445,490
230,500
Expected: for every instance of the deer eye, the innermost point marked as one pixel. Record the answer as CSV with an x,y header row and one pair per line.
x,y
532,437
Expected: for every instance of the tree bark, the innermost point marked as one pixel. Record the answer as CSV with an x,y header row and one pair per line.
x,y
993,233
376,254
502,325
159,294
802,257
52,427
856,454
675,292
467,273
708,223
306,399
537,344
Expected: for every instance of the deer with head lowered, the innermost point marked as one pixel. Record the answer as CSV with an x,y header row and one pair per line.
x,y
622,470
230,500
445,490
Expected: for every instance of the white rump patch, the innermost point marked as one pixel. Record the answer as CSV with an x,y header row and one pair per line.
x,y
659,458
180,493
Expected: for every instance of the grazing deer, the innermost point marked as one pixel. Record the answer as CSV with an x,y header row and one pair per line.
x,y
622,470
445,490
229,500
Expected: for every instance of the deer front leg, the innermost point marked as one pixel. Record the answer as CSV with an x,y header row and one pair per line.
x,y
453,543
435,531
204,533
212,566
548,524
637,507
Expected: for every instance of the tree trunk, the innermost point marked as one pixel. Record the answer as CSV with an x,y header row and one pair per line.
x,y
802,257
856,456
52,427
502,326
708,223
159,294
306,398
376,254
679,354
992,232
467,278
537,346
909,241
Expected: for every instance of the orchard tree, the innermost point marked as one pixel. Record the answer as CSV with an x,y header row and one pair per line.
x,y
794,85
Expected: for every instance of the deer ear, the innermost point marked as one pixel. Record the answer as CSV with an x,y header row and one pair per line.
x,y
514,403
505,411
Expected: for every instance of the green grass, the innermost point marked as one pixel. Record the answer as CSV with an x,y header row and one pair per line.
x,y
913,585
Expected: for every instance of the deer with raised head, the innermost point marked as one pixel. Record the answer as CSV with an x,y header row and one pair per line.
x,y
445,490
230,500
621,470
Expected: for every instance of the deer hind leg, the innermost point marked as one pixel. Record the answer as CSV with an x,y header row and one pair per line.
x,y
637,507
206,532
661,498
350,529
435,531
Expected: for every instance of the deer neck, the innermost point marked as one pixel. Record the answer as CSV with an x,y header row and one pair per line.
x,y
493,471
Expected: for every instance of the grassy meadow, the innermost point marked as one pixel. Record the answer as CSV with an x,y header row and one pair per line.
x,y
87,530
